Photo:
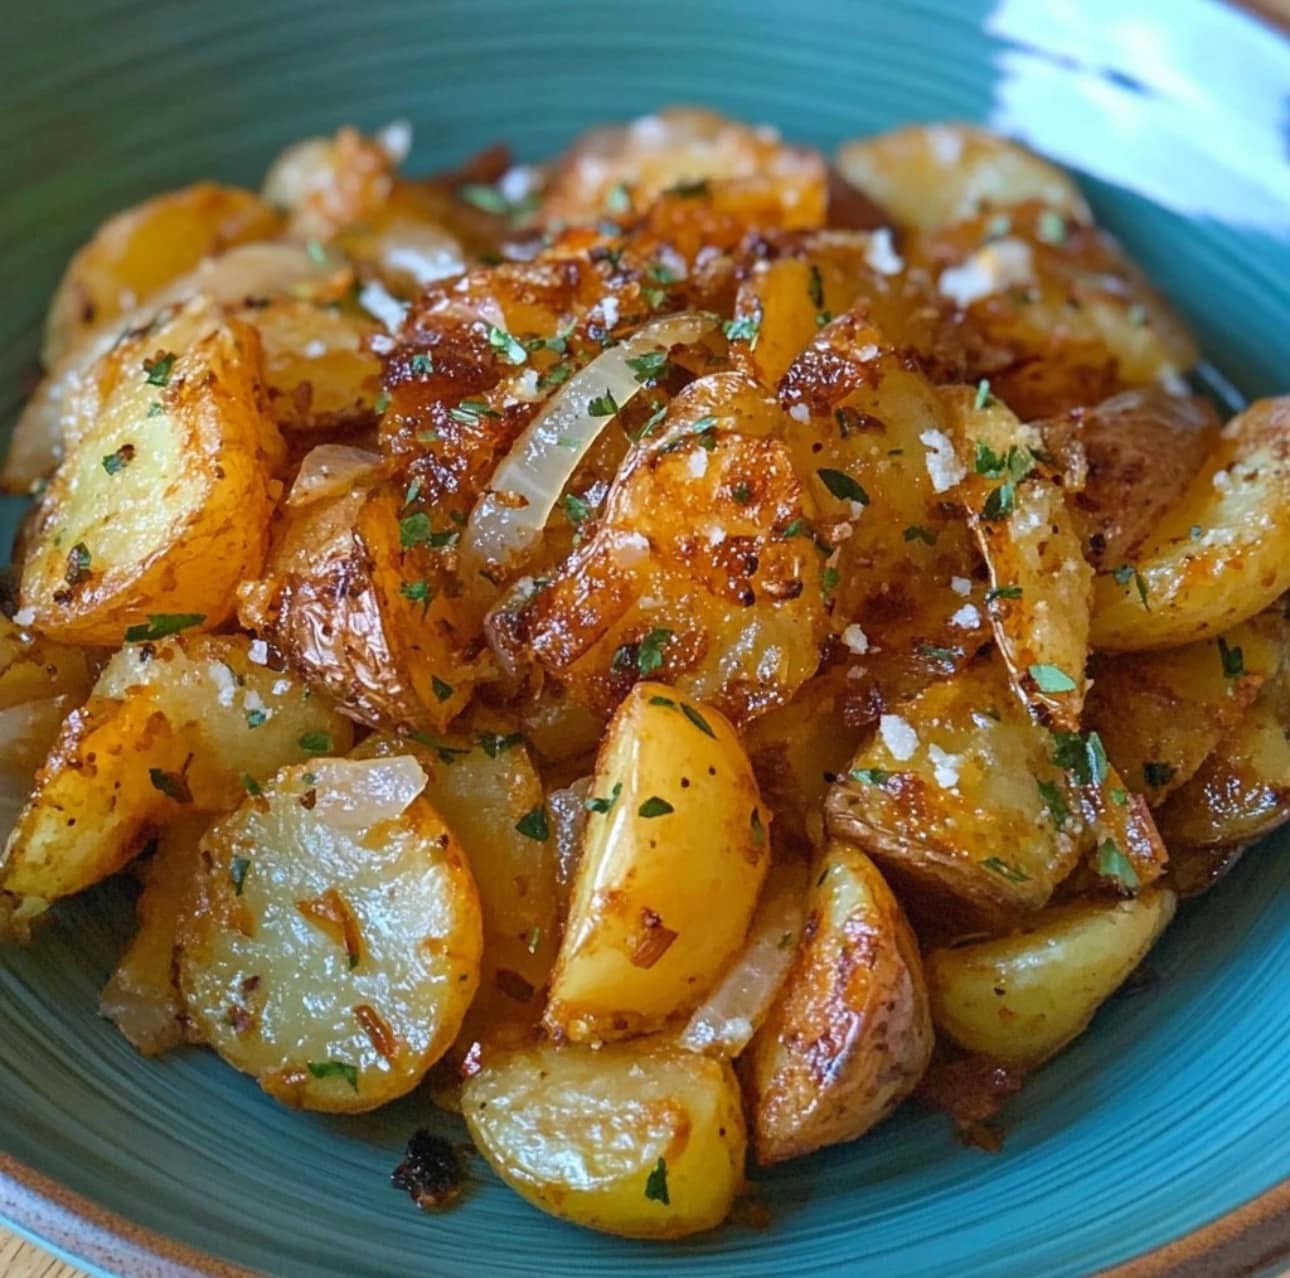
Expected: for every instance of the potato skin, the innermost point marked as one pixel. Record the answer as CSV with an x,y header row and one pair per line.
x,y
850,1034
1021,998
312,948
583,1134
669,874
1238,563
138,251
33,667
177,526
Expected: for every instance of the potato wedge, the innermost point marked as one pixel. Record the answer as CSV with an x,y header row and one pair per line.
x,y
639,1139
142,995
488,792
929,174
27,734
959,796
365,604
164,505
1126,461
1040,586
331,947
135,253
675,851
33,667
189,723
1021,998
850,1034
1161,713
1221,553
1242,790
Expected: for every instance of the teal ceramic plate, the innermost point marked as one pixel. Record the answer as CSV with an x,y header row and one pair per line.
x,y
1173,1111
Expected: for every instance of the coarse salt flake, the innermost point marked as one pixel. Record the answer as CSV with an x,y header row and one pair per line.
x,y
898,736
961,585
855,639
800,413
943,464
967,618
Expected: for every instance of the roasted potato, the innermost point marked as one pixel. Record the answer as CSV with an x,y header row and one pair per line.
x,y
487,791
182,724
137,252
1019,999
960,796
33,667
142,995
1220,554
364,602
1242,790
1160,714
641,1139
1125,461
1040,586
163,506
850,1034
674,855
928,175
331,944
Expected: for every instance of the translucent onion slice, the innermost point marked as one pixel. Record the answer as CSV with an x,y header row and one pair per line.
x,y
568,808
355,794
509,519
332,470
724,1023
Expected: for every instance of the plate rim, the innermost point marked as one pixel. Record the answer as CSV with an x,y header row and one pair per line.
x,y
1238,1244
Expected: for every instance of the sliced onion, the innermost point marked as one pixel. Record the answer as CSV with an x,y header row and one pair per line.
x,y
332,470
509,519
568,808
354,794
724,1023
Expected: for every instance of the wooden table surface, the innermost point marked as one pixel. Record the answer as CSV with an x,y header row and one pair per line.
x,y
21,1259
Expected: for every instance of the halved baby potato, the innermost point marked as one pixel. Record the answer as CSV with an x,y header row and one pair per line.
x,y
676,847
640,1139
929,174
138,251
181,725
163,505
850,1034
331,946
1021,998
1220,555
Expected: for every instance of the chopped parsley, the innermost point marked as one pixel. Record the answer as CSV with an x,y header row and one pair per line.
x,y
618,199
741,493
1002,592
649,652
758,829
78,564
1083,757
656,1184
250,784
650,368
534,824
237,869
983,397
254,718
506,346
1126,573
447,753
1052,679
603,405
1233,659
1051,228
916,532
595,803
422,365
442,691
421,592
698,720
493,743
161,624
119,460
655,807
158,369
334,1069
1056,804
171,784
1156,773
842,486
815,288
1006,870
1113,864
575,508
316,742
746,328
691,188
470,412
870,776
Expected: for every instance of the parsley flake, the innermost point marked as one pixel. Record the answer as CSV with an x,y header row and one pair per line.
x,y
334,1069
161,624
655,807
600,805
1113,864
1052,679
842,486
534,824
656,1184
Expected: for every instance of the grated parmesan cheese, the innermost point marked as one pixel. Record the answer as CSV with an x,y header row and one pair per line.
x,y
961,585
1000,265
967,618
943,464
881,255
945,766
800,413
855,639
898,736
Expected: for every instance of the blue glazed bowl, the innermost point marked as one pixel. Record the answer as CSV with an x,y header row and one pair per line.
x,y
1169,1115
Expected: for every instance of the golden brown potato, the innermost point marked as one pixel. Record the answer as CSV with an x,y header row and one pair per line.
x,y
615,170
960,796
640,1139
1053,313
1021,998
137,252
28,731
316,373
142,995
1193,871
163,506
930,174
33,667
850,1034
1161,713
364,601
674,854
331,945
487,791
1242,790
180,725
690,573
1040,586
1219,555
1126,461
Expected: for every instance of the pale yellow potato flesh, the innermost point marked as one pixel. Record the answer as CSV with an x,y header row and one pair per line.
x,y
926,175
850,1034
1019,999
640,1139
1221,554
331,958
33,667
180,515
669,874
